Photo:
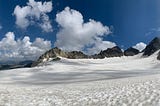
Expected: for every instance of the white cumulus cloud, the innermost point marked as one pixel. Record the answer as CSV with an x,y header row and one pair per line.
x,y
34,13
22,49
75,34
100,45
140,46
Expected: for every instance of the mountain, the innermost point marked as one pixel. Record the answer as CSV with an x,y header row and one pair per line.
x,y
110,52
131,52
55,53
22,64
158,56
152,47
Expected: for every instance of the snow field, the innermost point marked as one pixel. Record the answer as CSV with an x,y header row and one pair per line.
x,y
125,81
118,92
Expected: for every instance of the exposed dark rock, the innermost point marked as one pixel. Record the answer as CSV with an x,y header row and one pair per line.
x,y
153,46
55,53
112,52
76,55
158,56
98,56
131,52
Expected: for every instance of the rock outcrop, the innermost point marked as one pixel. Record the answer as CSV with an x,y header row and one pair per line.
x,y
76,55
158,56
55,54
131,52
110,52
153,46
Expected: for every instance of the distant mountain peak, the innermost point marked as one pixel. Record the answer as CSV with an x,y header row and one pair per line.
x,y
131,51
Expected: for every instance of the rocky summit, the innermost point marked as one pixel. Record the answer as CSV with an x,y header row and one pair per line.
x,y
131,52
153,46
55,54
76,55
110,52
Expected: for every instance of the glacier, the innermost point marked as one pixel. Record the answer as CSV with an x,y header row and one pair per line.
x,y
127,81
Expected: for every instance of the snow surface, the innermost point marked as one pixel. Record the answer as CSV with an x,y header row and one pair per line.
x,y
119,81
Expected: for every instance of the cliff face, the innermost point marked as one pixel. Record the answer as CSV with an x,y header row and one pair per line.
x,y
153,46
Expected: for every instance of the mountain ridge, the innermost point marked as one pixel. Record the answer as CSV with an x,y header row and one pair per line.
x,y
56,53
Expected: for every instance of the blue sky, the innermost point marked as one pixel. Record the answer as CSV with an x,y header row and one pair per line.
x,y
131,21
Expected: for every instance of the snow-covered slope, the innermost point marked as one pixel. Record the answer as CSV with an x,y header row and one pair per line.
x,y
85,82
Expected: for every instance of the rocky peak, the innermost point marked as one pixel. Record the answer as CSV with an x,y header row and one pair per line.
x,y
76,55
110,52
53,53
153,46
131,52
56,53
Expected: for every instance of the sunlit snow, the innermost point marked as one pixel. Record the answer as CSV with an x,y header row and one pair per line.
x,y
84,82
